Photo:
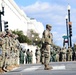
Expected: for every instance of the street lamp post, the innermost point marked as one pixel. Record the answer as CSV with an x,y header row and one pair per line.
x,y
1,13
67,29
69,26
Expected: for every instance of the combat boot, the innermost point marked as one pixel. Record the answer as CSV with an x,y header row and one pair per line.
x,y
47,67
42,63
5,69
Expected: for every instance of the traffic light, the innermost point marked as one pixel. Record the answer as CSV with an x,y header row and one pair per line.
x,y
70,29
5,25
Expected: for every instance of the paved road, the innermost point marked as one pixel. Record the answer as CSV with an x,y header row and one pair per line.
x,y
59,68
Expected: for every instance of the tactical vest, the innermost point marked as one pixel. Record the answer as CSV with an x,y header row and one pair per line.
x,y
47,37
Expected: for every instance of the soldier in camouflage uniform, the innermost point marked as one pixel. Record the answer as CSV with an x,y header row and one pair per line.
x,y
47,42
37,54
31,57
69,53
4,54
16,48
11,49
64,54
57,55
2,57
8,46
28,56
60,55
53,55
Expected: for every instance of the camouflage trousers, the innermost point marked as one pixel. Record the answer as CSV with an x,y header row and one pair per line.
x,y
47,55
38,59
64,57
57,57
42,59
42,56
69,57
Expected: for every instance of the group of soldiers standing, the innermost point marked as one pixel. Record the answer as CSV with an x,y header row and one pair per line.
x,y
9,50
56,55
10,47
62,54
29,57
26,56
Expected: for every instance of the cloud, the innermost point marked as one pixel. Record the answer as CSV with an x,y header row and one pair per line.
x,y
57,38
36,8
43,7
47,11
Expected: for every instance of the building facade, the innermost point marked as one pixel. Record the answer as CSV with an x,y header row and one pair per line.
x,y
17,19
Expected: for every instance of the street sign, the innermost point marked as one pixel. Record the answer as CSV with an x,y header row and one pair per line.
x,y
65,37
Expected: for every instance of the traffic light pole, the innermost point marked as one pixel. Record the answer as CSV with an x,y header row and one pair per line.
x,y
1,13
67,31
0,23
69,28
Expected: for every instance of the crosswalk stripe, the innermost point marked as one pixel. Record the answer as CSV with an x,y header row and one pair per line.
x,y
62,67
33,68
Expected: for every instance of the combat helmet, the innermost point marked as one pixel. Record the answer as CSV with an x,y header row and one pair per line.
x,y
48,25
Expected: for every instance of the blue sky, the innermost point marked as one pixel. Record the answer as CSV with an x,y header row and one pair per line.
x,y
52,12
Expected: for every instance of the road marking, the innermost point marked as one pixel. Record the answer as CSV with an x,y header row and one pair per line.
x,y
33,68
15,68
61,67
